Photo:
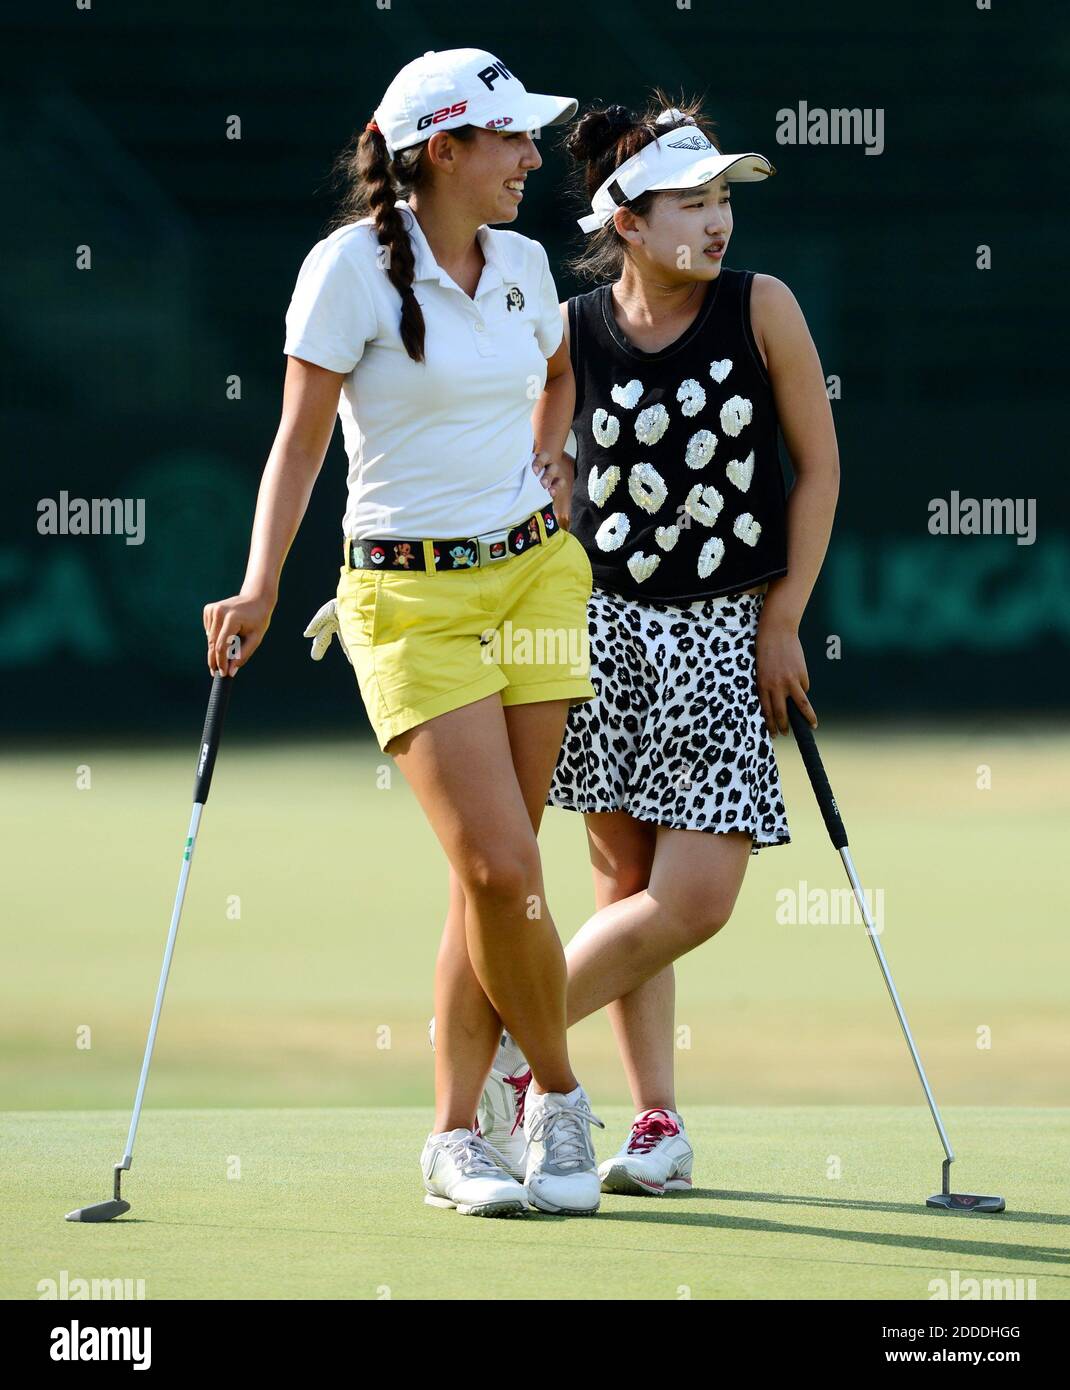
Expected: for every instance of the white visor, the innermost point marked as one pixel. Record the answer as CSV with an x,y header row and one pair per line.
x,y
683,158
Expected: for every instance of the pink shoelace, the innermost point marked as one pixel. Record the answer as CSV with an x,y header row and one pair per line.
x,y
654,1126
520,1084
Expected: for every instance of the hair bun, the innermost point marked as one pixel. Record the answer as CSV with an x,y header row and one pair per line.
x,y
620,118
598,132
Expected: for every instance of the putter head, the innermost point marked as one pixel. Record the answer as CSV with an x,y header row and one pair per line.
x,y
965,1201
100,1211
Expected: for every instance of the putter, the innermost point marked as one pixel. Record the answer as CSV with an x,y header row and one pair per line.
x,y
804,737
213,729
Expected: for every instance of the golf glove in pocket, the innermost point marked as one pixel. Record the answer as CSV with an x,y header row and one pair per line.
x,y
322,628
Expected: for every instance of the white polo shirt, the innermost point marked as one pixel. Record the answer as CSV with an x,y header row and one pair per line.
x,y
443,447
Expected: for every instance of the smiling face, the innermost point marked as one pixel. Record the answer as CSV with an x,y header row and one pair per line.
x,y
487,170
684,236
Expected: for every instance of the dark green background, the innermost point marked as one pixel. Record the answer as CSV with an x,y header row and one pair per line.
x,y
115,379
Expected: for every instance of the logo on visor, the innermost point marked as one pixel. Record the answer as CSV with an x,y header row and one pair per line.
x,y
690,142
498,122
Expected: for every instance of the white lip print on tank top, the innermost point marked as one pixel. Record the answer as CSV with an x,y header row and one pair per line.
x,y
679,481
647,487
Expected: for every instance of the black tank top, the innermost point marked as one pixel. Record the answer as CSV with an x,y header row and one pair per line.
x,y
679,490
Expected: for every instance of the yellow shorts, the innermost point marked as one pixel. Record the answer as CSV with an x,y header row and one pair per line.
x,y
425,643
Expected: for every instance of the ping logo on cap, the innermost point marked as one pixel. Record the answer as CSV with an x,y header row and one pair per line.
x,y
490,75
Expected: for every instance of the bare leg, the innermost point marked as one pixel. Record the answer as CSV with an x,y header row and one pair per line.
x,y
643,1023
533,731
694,881
467,1027
622,855
460,765
648,881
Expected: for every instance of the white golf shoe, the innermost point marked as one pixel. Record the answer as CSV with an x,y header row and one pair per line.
x,y
561,1172
655,1158
500,1118
461,1170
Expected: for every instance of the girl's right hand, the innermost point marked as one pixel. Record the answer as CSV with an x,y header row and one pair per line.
x,y
245,616
557,477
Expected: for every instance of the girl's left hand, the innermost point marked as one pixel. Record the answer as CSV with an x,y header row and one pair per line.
x,y
557,477
781,672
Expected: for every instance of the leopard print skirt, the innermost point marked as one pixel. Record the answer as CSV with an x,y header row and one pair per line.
x,y
675,734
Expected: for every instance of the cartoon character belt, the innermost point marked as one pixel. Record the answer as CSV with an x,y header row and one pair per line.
x,y
468,552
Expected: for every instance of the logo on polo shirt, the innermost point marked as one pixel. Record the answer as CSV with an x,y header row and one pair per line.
x,y
514,298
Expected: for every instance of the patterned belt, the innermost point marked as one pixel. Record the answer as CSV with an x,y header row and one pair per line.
x,y
467,552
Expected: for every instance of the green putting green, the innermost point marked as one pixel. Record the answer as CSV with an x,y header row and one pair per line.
x,y
301,989
789,1202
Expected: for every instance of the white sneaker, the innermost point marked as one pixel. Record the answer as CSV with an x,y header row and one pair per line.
x,y
461,1170
561,1171
654,1159
500,1118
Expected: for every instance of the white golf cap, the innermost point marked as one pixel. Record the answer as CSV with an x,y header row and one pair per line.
x,y
461,86
682,158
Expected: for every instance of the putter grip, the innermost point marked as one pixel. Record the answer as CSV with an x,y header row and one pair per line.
x,y
804,737
213,732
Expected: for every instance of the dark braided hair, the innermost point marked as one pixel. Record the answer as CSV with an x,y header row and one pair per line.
x,y
373,182
599,143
